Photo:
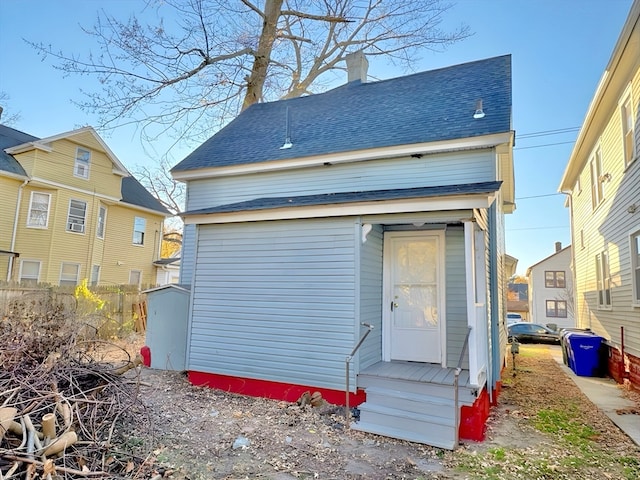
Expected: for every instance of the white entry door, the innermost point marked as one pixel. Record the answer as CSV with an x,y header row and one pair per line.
x,y
414,289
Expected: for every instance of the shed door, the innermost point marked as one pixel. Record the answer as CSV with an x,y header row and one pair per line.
x,y
414,287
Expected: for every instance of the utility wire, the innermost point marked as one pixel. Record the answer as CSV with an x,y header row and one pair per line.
x,y
543,145
539,196
548,132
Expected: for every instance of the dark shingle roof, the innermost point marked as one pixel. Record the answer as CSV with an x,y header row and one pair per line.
x,y
424,107
10,137
135,194
351,197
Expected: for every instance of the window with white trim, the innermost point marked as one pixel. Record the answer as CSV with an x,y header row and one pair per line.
x,y
603,280
77,216
635,266
139,225
29,272
135,277
595,166
556,308
83,159
628,135
554,279
39,210
69,273
95,275
102,220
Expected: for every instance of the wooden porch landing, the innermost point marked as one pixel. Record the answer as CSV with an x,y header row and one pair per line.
x,y
416,372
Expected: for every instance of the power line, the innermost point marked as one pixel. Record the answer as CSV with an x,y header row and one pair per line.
x,y
538,228
544,133
543,145
539,196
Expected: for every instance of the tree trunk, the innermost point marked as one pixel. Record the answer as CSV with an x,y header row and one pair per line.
x,y
272,10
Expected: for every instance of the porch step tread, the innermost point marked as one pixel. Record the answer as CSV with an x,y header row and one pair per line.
x,y
435,440
466,395
405,414
410,396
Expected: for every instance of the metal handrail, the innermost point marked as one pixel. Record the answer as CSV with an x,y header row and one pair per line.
x,y
456,381
347,413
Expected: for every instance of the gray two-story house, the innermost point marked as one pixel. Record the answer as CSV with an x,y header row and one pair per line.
x,y
372,207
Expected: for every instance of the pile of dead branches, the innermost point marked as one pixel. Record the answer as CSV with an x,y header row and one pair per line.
x,y
64,412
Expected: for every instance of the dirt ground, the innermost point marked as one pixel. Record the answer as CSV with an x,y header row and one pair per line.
x,y
201,433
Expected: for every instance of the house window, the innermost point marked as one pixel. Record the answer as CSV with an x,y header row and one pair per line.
x,y
557,308
603,280
76,218
135,277
102,219
554,279
95,275
39,210
635,266
29,272
627,131
81,167
138,230
595,166
69,273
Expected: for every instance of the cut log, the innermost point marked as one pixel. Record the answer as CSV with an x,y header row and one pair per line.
x,y
61,443
7,414
48,427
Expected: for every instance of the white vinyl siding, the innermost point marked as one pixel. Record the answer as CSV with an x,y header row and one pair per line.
x,y
275,301
81,165
29,272
39,210
69,273
77,216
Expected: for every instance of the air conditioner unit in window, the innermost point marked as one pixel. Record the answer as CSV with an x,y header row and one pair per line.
x,y
76,227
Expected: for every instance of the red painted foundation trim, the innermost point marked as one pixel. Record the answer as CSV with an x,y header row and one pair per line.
x,y
473,419
268,389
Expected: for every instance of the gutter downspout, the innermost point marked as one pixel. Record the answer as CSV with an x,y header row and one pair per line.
x,y
574,249
15,229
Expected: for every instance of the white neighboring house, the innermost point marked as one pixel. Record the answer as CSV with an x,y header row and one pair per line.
x,y
168,270
551,289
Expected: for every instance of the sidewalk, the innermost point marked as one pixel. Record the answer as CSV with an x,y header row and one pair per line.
x,y
606,395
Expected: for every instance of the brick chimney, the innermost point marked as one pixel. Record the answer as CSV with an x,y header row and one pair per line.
x,y
357,66
558,246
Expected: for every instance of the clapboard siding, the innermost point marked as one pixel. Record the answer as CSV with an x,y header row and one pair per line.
x,y
456,295
284,309
606,228
371,296
431,170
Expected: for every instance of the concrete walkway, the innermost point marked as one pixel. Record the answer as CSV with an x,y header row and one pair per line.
x,y
606,395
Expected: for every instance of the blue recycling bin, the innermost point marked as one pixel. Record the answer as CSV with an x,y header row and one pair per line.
x,y
583,351
564,343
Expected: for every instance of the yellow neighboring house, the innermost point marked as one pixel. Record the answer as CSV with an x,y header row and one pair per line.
x,y
602,179
69,210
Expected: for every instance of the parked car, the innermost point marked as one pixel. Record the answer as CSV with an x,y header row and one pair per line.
x,y
513,318
525,332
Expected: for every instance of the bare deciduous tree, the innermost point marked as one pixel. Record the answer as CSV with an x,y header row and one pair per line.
x,y
188,78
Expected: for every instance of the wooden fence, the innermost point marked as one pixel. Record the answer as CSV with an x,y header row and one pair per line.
x,y
111,311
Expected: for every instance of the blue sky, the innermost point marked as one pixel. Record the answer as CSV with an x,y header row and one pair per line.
x,y
559,50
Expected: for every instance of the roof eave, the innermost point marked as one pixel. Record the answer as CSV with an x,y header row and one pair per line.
x,y
424,204
469,143
576,159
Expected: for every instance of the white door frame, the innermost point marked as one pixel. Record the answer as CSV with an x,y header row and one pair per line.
x,y
386,287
